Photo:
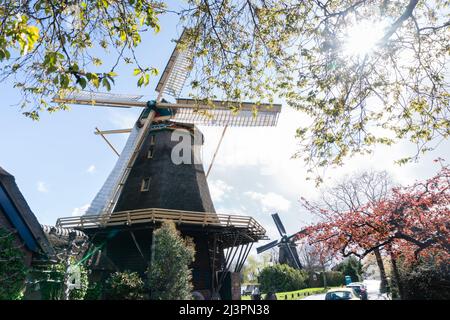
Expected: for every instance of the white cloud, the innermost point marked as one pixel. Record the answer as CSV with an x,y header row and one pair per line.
x,y
41,187
270,150
80,211
219,189
91,169
270,201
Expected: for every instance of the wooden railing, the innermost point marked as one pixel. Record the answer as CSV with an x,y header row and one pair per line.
x,y
203,219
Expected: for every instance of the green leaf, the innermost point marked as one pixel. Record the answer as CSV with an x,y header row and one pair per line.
x,y
64,80
106,84
82,82
140,81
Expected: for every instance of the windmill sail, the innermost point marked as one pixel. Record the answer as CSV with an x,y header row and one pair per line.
x,y
216,113
279,224
176,71
221,114
101,99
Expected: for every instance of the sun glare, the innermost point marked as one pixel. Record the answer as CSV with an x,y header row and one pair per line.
x,y
363,37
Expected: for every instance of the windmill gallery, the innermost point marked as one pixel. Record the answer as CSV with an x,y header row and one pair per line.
x,y
159,176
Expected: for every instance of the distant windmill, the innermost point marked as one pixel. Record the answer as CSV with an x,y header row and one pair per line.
x,y
287,246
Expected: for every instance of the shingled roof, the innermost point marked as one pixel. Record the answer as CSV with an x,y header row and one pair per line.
x,y
19,214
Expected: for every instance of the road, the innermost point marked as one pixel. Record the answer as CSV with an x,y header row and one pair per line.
x,y
315,297
373,289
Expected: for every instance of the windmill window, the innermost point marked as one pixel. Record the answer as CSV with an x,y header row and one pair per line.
x,y
152,140
150,153
145,185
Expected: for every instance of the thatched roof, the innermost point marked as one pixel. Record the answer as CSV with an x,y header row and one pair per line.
x,y
172,186
60,238
19,214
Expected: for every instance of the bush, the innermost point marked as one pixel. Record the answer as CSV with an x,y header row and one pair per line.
x,y
13,270
51,278
169,275
94,291
334,278
425,280
125,286
351,267
282,278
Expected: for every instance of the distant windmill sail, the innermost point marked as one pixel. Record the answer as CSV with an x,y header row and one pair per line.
x,y
287,246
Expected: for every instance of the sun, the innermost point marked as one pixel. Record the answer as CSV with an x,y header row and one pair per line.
x,y
363,37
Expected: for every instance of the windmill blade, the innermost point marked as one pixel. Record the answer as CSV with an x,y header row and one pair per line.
x,y
216,113
295,235
176,71
222,113
279,224
294,255
101,99
115,131
266,247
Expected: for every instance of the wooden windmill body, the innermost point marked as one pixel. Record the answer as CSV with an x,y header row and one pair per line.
x,y
146,187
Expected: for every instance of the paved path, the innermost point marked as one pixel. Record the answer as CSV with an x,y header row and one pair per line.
x,y
373,290
315,297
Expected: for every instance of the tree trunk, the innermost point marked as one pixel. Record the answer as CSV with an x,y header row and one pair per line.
x,y
397,277
324,277
383,285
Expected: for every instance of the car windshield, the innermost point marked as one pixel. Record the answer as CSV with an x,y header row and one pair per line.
x,y
339,295
357,289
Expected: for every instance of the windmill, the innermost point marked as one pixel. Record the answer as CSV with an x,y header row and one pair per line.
x,y
146,187
213,113
287,246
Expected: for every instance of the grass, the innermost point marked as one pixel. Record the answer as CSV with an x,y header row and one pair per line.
x,y
295,295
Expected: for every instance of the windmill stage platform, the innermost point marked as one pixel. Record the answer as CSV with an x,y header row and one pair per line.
x,y
234,229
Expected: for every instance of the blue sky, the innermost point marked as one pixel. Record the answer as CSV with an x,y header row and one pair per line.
x,y
59,164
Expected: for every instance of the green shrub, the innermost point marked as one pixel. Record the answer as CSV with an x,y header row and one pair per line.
x,y
125,286
334,278
13,270
425,280
282,278
94,291
351,267
170,277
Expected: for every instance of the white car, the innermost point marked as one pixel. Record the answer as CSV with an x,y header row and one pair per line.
x,y
341,294
360,289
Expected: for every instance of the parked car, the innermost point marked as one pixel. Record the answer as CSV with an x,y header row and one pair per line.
x,y
360,289
249,288
341,294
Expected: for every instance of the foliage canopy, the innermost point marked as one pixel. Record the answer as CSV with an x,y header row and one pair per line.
x,y
391,86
